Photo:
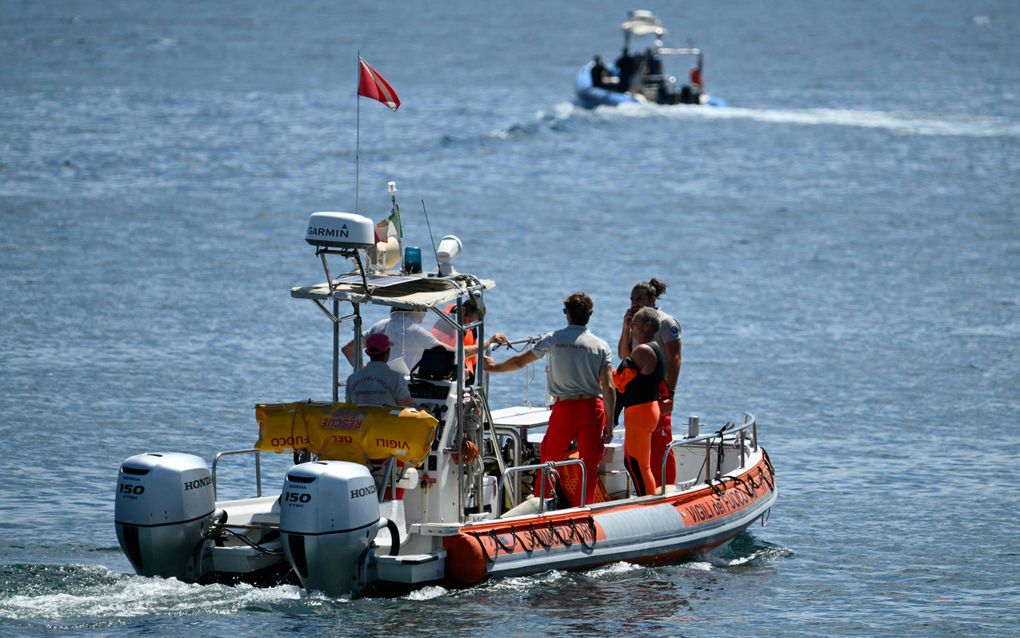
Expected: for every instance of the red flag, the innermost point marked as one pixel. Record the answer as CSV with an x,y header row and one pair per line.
x,y
372,85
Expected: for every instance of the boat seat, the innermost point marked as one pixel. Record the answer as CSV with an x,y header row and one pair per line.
x,y
260,510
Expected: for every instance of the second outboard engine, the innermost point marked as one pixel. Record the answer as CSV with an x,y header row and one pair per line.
x,y
329,516
163,501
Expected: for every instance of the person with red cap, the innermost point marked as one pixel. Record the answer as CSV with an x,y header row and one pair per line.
x,y
377,383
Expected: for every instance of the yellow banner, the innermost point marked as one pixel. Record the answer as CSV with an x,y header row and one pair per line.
x,y
345,431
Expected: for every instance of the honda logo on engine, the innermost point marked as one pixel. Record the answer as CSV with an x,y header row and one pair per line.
x,y
363,491
194,485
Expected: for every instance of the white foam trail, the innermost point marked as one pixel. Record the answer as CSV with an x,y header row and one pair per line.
x,y
614,569
902,123
525,583
1007,331
133,596
426,593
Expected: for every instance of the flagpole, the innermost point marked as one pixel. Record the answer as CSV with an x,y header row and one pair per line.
x,y
357,143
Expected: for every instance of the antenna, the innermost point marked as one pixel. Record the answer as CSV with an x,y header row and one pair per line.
x,y
431,238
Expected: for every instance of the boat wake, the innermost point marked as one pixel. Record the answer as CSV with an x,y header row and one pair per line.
x,y
559,119
566,116
745,549
429,592
78,594
902,123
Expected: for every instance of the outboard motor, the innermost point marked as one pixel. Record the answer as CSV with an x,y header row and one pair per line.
x,y
163,500
329,516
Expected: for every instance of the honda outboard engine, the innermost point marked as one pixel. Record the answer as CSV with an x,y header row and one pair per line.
x,y
329,516
162,502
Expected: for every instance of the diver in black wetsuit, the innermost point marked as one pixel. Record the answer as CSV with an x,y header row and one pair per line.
x,y
626,66
599,73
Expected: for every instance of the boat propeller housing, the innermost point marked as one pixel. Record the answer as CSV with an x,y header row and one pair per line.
x,y
163,501
329,516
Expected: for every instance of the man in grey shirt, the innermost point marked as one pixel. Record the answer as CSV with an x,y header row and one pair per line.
x,y
376,383
581,383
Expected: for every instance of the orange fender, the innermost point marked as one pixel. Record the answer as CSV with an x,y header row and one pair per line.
x,y
465,560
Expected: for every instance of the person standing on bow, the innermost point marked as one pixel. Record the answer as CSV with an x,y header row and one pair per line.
x,y
645,294
639,382
581,383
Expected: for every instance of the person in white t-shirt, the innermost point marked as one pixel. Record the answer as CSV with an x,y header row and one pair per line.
x,y
408,338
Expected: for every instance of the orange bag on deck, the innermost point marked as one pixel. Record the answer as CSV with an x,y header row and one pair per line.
x,y
571,487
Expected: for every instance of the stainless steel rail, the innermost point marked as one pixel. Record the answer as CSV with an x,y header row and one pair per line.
x,y
542,468
511,433
258,467
750,423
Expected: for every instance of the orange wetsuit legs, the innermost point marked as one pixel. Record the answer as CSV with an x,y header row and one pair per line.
x,y
582,419
641,421
661,439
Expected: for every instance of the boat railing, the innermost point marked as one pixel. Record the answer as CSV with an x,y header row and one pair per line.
x,y
678,51
258,467
749,427
542,469
511,433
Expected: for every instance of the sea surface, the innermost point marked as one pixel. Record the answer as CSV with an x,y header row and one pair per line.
x,y
841,244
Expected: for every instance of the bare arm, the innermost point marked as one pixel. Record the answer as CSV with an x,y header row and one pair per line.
x,y
348,351
515,362
472,350
609,401
624,347
673,363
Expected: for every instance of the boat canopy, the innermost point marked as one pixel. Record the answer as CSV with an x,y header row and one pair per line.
x,y
408,292
643,22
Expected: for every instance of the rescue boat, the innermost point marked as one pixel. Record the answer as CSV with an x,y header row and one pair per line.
x,y
641,76
385,499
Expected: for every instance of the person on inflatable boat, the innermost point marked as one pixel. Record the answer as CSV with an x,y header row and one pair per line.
x,y
645,294
640,384
377,383
581,383
408,338
447,335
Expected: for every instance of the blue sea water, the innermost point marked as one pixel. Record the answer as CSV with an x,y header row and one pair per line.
x,y
842,247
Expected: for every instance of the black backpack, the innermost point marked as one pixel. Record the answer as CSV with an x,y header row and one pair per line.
x,y
437,363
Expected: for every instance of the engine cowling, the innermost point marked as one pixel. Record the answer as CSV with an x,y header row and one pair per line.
x,y
329,516
163,500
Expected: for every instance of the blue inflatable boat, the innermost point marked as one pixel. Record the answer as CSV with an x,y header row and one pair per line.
x,y
641,76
